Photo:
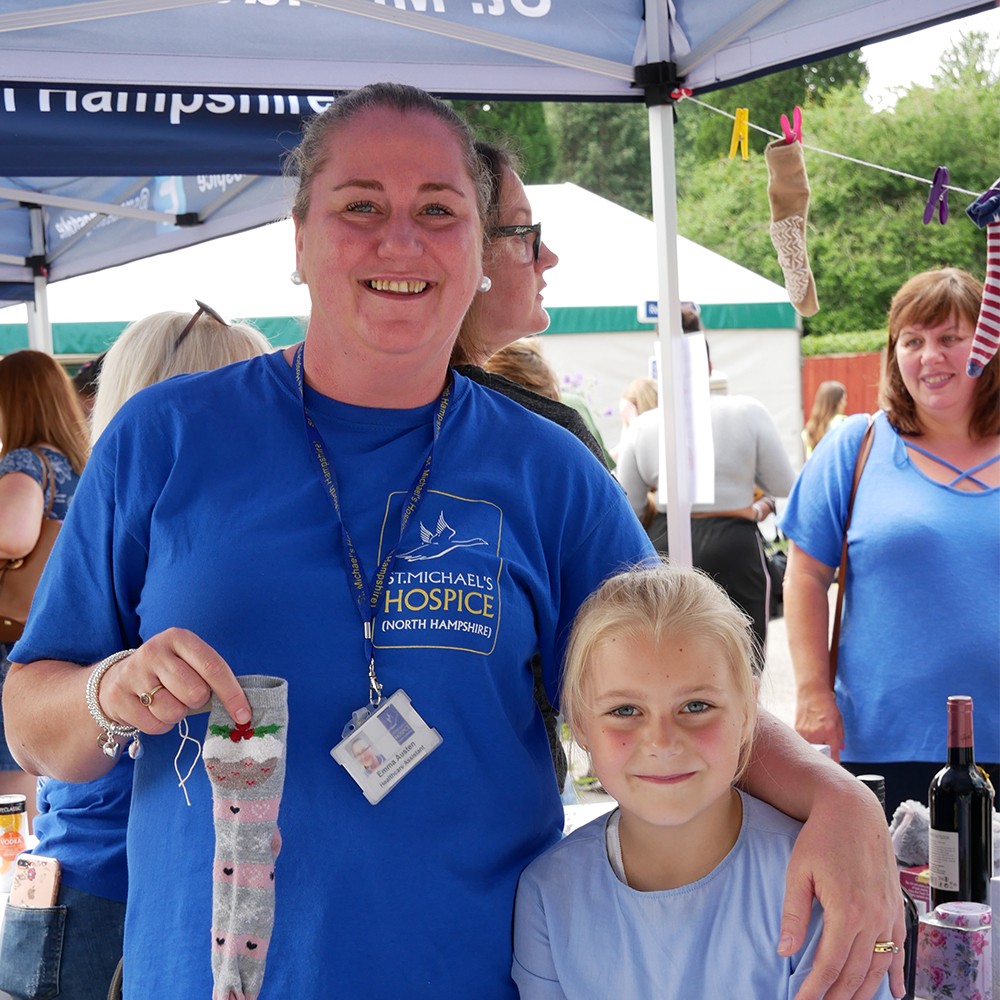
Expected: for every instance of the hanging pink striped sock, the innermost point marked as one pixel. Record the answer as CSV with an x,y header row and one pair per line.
x,y
985,213
987,338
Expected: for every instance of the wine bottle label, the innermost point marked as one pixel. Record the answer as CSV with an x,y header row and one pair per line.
x,y
943,846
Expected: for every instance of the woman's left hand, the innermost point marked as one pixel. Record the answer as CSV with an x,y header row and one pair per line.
x,y
843,857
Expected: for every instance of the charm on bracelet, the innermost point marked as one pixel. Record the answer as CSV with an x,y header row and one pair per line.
x,y
110,730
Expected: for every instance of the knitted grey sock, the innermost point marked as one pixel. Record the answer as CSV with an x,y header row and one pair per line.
x,y
246,765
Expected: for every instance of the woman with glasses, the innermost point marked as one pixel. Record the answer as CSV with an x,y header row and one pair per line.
x,y
394,541
515,259
83,825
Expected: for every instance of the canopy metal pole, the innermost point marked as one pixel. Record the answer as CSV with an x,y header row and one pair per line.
x,y
675,477
39,328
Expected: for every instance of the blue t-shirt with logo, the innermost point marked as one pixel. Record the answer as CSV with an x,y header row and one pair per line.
x,y
203,507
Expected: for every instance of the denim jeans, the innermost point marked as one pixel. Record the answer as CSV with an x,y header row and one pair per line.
x,y
68,951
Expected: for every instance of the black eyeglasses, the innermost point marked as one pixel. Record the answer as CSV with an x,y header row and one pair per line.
x,y
521,233
202,309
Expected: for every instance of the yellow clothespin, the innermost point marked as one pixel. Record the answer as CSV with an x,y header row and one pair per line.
x,y
741,133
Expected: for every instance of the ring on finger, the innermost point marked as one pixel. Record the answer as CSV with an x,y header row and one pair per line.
x,y
146,697
886,948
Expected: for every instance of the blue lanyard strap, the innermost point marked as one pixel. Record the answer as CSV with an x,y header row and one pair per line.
x,y
366,599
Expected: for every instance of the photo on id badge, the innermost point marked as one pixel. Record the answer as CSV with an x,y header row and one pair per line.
x,y
380,752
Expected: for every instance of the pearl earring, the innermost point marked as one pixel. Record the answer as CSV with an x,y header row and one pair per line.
x,y
296,278
485,283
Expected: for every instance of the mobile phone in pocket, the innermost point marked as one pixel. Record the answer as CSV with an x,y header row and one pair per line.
x,y
36,881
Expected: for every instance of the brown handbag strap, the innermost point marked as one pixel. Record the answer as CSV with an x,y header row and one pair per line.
x,y
50,480
859,466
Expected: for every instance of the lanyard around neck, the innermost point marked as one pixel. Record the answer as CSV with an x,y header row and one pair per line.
x,y
366,598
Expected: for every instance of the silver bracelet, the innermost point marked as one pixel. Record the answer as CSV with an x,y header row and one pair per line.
x,y
106,741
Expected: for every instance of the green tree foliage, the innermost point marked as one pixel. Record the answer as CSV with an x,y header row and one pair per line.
x,y
605,148
866,234
519,125
970,60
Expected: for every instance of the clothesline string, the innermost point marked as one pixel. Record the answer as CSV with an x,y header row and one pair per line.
x,y
830,152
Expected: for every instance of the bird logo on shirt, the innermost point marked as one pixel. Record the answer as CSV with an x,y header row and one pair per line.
x,y
437,543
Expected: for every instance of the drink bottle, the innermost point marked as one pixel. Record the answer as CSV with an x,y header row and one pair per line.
x,y
876,782
961,808
13,835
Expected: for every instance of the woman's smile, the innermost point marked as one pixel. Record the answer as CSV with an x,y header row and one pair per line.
x,y
397,286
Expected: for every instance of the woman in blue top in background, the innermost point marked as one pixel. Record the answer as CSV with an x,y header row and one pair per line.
x,y
920,612
42,428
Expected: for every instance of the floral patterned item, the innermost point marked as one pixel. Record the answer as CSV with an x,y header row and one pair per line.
x,y
954,953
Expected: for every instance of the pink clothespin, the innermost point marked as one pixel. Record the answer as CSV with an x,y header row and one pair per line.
x,y
793,132
938,199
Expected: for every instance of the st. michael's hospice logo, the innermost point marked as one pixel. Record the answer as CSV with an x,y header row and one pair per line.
x,y
444,592
439,542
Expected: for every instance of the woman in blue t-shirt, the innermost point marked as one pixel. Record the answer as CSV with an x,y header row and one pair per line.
x,y
919,617
246,514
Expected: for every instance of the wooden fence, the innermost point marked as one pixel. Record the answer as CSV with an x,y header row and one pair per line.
x,y
858,372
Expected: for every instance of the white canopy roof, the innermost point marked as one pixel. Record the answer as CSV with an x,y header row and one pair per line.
x,y
607,256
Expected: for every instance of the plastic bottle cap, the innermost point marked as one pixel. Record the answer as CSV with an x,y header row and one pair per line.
x,y
962,914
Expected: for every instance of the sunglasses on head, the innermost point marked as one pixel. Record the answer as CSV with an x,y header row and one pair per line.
x,y
201,310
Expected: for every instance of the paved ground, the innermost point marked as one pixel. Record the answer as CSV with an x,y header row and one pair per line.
x,y
777,693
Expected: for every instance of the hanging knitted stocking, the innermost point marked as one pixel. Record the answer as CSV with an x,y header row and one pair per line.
x,y
985,213
246,765
788,192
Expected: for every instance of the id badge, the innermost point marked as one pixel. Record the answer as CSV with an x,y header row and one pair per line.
x,y
383,749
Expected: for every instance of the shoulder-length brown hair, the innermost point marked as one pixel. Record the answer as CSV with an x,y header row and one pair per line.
x,y
38,404
930,298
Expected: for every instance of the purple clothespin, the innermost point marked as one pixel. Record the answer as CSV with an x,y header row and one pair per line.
x,y
938,198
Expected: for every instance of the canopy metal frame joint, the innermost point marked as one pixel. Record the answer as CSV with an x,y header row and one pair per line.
x,y
659,82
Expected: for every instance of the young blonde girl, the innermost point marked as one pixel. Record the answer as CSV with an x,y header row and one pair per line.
x,y
677,894
829,409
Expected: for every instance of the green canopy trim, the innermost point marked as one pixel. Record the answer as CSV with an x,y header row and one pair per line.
x,y
92,338
625,319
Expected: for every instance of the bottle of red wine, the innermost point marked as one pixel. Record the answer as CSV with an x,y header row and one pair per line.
x,y
961,806
876,782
